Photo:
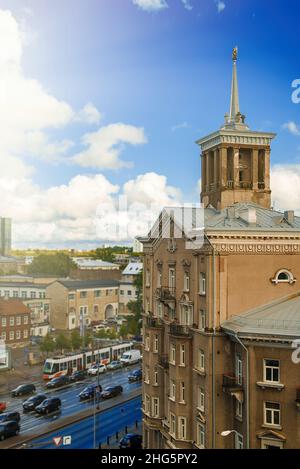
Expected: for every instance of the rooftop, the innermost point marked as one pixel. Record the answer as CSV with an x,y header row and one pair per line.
x,y
12,306
89,263
86,284
133,268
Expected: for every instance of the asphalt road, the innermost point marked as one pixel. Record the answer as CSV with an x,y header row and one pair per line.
x,y
69,397
106,423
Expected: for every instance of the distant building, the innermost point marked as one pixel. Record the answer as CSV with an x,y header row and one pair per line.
x,y
12,264
132,270
128,291
137,246
73,301
5,236
84,263
15,322
94,269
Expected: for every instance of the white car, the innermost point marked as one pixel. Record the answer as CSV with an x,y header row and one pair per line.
x,y
93,370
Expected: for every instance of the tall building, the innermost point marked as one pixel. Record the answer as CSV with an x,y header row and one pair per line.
x,y
221,316
5,236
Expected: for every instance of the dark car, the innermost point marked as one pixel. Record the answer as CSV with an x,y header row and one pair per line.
x,y
8,416
131,440
7,429
111,391
78,375
23,389
33,402
49,405
58,382
136,375
89,392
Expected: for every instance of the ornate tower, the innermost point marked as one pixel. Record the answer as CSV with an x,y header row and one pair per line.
x,y
235,159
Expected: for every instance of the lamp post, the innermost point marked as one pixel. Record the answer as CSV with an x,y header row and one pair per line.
x,y
229,432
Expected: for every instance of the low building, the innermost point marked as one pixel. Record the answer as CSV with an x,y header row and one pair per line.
x,y
15,322
128,291
94,269
73,301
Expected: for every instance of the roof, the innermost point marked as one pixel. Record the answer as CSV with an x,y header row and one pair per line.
x,y
88,263
133,268
86,284
22,285
12,306
281,317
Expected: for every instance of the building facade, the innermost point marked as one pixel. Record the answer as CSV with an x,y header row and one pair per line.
x,y
15,322
128,290
220,308
77,302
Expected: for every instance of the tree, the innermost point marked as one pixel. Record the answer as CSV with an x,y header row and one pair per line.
x,y
123,332
135,307
58,264
62,343
76,340
47,345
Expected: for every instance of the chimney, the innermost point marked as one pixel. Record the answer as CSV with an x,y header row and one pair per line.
x,y
251,216
289,215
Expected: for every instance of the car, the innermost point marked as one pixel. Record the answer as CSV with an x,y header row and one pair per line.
x,y
89,392
93,370
115,365
7,429
58,382
78,375
51,404
9,416
131,440
111,391
2,406
33,402
23,389
136,375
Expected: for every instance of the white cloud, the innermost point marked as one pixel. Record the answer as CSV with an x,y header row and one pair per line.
x,y
151,189
187,5
105,146
182,125
220,5
89,114
292,127
285,186
151,5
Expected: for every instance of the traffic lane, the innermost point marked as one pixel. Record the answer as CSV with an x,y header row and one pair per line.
x,y
106,423
69,398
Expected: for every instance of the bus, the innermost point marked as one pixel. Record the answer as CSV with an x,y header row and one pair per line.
x,y
66,364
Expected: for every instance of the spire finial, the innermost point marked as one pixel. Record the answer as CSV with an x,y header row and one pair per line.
x,y
234,99
234,53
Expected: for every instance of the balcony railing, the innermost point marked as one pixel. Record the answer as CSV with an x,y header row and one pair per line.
x,y
180,330
153,322
245,185
163,360
166,294
261,185
230,184
232,382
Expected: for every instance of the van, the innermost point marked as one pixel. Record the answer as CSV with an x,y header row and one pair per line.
x,y
131,357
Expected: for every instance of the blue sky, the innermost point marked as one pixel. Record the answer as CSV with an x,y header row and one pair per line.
x,y
156,77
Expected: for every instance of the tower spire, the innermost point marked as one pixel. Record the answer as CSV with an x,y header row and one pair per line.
x,y
234,98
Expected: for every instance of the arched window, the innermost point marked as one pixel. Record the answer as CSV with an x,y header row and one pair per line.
x,y
283,276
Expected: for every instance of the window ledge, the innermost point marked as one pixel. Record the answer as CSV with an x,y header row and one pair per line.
x,y
266,384
200,372
172,399
269,425
201,293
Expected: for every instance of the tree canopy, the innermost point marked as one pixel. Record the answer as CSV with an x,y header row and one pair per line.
x,y
58,264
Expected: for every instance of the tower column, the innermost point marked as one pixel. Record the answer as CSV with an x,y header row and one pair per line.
x,y
207,189
203,173
267,169
254,168
215,169
223,166
236,171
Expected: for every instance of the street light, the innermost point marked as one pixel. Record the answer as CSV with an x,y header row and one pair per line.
x,y
228,432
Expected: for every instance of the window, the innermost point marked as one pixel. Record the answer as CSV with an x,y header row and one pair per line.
x,y
171,279
186,281
12,321
283,276
155,345
18,320
200,435
182,355
202,319
96,309
3,335
6,293
172,424
201,399
202,283
18,335
71,296
24,294
147,343
172,389
239,369
159,278
239,441
155,407
186,315
122,292
129,292
147,278
11,335
147,404
25,319
83,311
159,309
238,409
3,322
83,294
271,371
15,294
172,353
182,392
182,427
201,360
155,378
97,293
272,413
147,375
172,313
32,294
25,334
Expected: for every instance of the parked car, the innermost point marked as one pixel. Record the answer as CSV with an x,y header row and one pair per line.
x,y
115,365
78,375
131,440
136,375
89,392
9,416
23,389
111,391
93,370
131,357
2,406
58,382
7,429
33,402
49,405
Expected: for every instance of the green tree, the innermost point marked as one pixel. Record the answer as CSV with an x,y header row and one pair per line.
x,y
76,340
135,307
123,332
62,343
59,264
47,345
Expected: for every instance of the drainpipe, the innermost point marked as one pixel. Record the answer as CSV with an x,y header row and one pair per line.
x,y
247,389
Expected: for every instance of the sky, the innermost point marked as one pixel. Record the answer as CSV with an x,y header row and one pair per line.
x,y
101,103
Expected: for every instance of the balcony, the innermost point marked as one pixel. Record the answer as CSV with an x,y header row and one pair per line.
x,y
231,381
163,361
166,295
180,330
230,184
261,185
151,321
245,185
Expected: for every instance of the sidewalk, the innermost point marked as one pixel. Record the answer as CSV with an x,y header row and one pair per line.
x,y
114,439
23,374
